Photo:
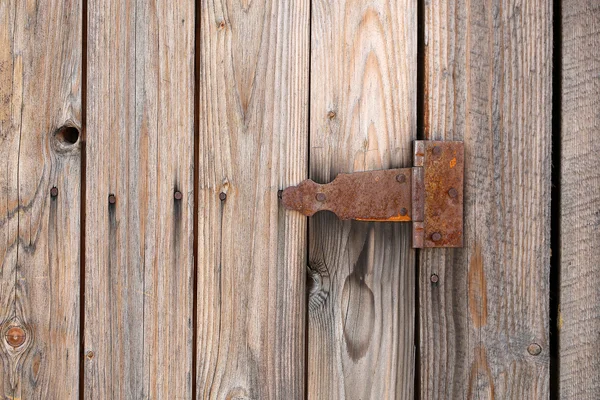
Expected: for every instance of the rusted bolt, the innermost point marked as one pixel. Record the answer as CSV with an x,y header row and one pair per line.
x,y
54,191
436,236
112,199
534,349
178,195
321,197
15,336
222,196
453,193
331,114
401,178
89,355
437,150
403,211
434,278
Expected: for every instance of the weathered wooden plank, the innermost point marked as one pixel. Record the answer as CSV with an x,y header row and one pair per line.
x,y
487,76
139,249
253,82
40,92
579,321
363,117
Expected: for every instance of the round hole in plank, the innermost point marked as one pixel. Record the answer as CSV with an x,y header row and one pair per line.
x,y
67,135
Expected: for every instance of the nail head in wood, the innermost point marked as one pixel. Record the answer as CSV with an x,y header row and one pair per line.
x,y
112,199
534,349
434,278
178,195
222,196
54,191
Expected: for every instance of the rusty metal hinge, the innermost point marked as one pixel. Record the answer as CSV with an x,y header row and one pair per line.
x,y
430,194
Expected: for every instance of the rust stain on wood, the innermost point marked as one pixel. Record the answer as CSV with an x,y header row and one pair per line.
x,y
477,289
480,377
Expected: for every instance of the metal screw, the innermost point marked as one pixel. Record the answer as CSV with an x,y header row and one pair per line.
x,y
534,349
15,336
222,196
401,178
436,236
54,191
89,355
403,211
437,150
453,193
112,199
178,195
321,197
434,278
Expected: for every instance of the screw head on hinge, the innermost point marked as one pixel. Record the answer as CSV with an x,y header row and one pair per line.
x,y
436,236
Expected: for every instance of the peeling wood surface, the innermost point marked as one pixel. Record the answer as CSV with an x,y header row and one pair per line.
x,y
40,92
253,113
361,274
139,248
488,81
579,320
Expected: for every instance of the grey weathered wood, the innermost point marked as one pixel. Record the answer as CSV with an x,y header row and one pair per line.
x,y
488,74
139,250
253,82
363,117
579,321
40,91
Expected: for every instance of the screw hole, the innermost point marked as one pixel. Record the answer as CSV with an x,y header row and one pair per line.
x,y
67,135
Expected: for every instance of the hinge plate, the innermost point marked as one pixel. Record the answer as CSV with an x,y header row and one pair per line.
x,y
430,195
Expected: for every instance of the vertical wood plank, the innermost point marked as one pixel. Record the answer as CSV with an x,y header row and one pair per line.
x,y
579,320
363,117
40,92
487,73
139,248
253,82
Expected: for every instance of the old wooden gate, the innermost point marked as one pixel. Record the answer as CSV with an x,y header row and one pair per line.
x,y
145,253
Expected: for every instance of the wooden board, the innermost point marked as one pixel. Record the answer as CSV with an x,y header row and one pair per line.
x,y
138,318
253,83
40,92
579,320
361,275
487,80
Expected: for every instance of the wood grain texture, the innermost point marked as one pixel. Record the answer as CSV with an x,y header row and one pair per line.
x,y
40,91
253,82
361,283
488,78
139,250
579,321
